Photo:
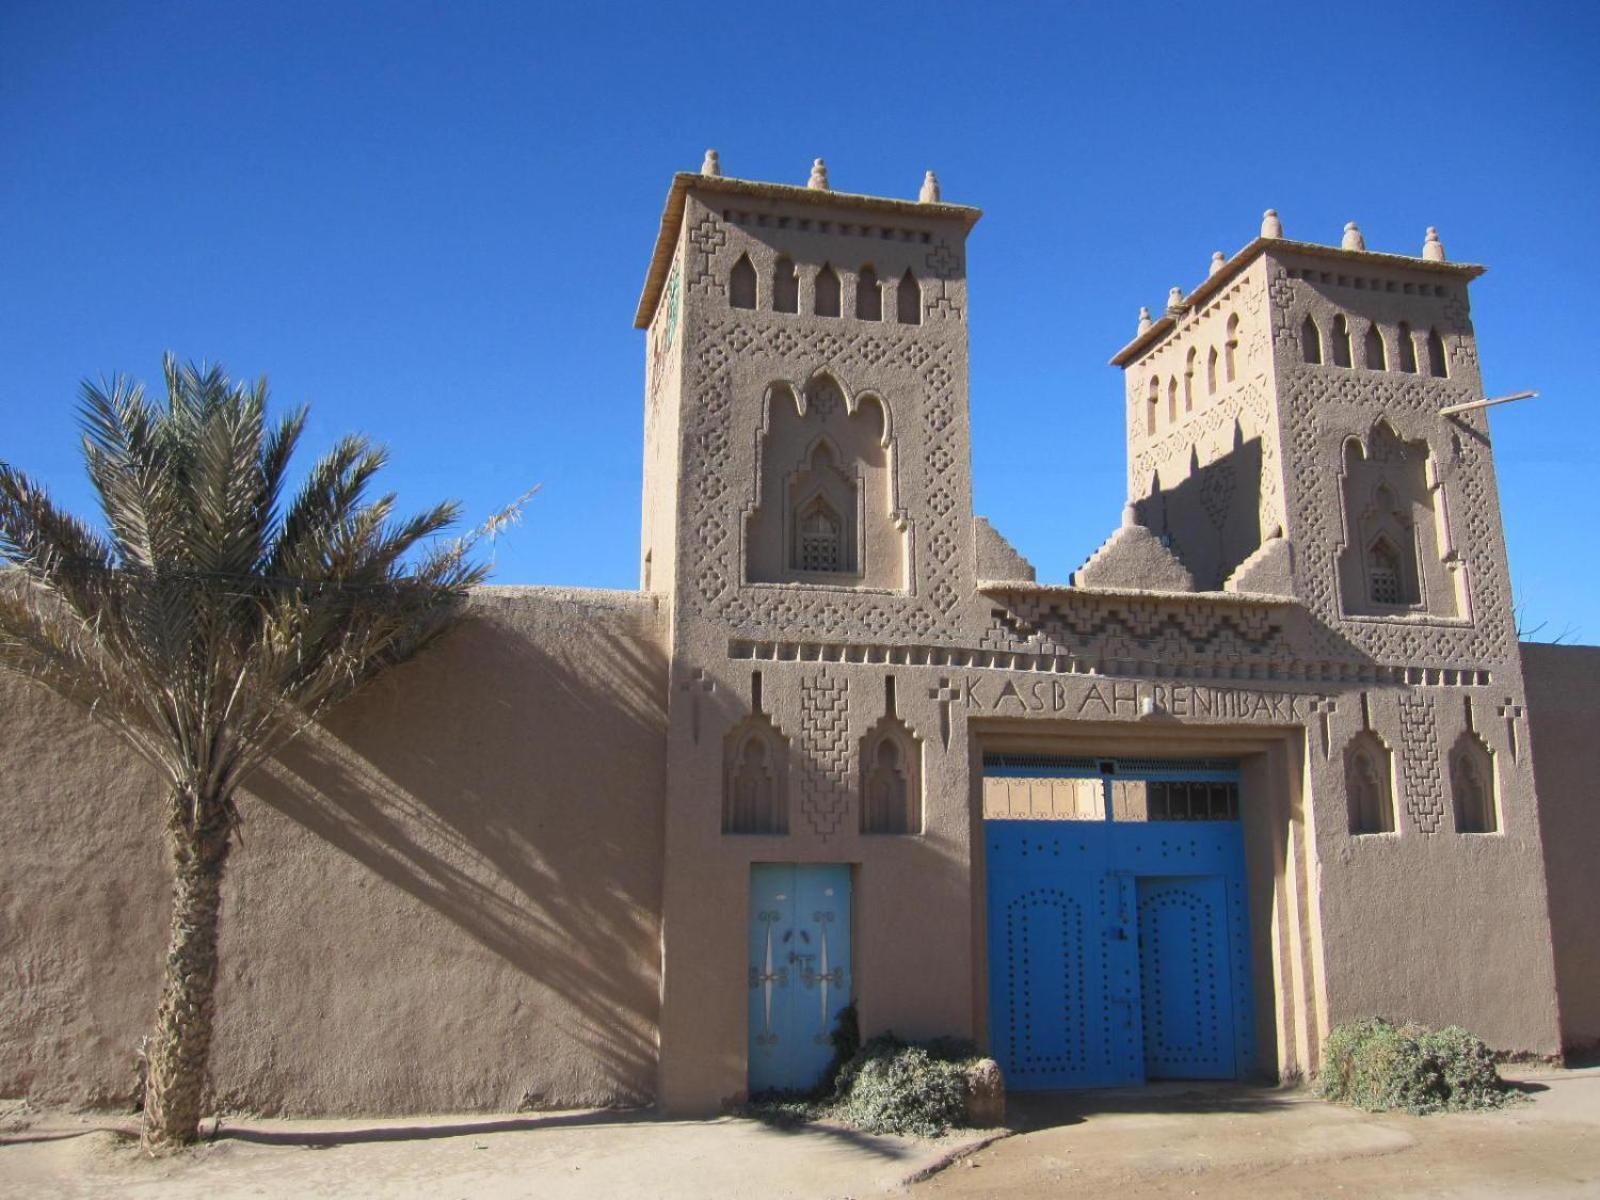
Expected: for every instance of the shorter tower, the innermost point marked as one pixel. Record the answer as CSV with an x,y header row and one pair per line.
x,y
1297,393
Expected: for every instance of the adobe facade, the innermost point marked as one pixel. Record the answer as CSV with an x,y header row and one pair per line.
x,y
1266,763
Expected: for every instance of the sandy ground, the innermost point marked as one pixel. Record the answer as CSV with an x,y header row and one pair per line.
x,y
1181,1141
1163,1141
557,1156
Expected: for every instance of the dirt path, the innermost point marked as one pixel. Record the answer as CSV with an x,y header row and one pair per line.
x,y
564,1156
1164,1141
1228,1143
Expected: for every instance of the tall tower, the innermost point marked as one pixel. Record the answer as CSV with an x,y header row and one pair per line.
x,y
807,512
1290,431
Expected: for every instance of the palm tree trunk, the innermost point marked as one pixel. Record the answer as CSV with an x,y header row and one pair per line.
x,y
180,1051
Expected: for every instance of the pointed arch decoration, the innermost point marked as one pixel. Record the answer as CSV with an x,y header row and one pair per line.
x,y
1408,349
1438,366
1369,784
891,773
742,284
755,780
1341,341
908,300
1396,556
785,286
825,299
1373,351
1474,788
869,295
1311,341
825,509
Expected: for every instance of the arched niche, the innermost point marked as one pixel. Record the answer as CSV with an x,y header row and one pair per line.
x,y
1369,784
1474,788
869,295
1341,341
891,779
755,778
1373,351
742,284
824,510
1396,555
1310,341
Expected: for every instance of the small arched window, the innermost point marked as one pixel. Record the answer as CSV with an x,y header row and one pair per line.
x,y
1367,786
1211,372
1408,350
1472,785
1172,400
1231,349
1341,341
1152,407
742,284
1436,359
1310,341
785,286
819,538
1188,380
825,302
869,296
1377,360
908,300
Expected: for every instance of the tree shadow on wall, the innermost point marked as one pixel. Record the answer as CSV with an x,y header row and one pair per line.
x,y
513,784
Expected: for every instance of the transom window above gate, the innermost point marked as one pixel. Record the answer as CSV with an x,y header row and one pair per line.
x,y
1039,788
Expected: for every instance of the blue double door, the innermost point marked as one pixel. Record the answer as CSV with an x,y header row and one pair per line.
x,y
1118,938
799,975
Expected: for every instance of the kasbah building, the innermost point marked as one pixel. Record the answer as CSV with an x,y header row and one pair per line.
x,y
1272,761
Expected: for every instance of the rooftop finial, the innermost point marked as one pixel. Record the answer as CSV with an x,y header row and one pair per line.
x,y
819,176
1144,320
1432,247
1174,300
1352,237
712,164
1217,262
930,189
1270,225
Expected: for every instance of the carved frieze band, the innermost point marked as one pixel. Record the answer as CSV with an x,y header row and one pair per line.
x,y
983,659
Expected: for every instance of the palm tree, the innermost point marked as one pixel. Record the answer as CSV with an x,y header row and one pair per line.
x,y
210,621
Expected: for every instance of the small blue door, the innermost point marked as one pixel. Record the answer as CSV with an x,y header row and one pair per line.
x,y
799,974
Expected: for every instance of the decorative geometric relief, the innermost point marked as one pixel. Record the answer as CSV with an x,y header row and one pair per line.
x,y
755,778
891,774
1367,776
1473,790
707,238
825,734
1327,406
715,514
1419,755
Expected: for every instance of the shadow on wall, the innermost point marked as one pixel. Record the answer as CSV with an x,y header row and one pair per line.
x,y
510,780
1212,518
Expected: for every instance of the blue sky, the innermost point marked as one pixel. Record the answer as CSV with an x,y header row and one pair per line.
x,y
431,221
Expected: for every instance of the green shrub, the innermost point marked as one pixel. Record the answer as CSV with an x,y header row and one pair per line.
x,y
891,1086
1376,1066
883,1086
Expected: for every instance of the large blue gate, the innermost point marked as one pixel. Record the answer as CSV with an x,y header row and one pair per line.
x,y
799,970
1118,943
